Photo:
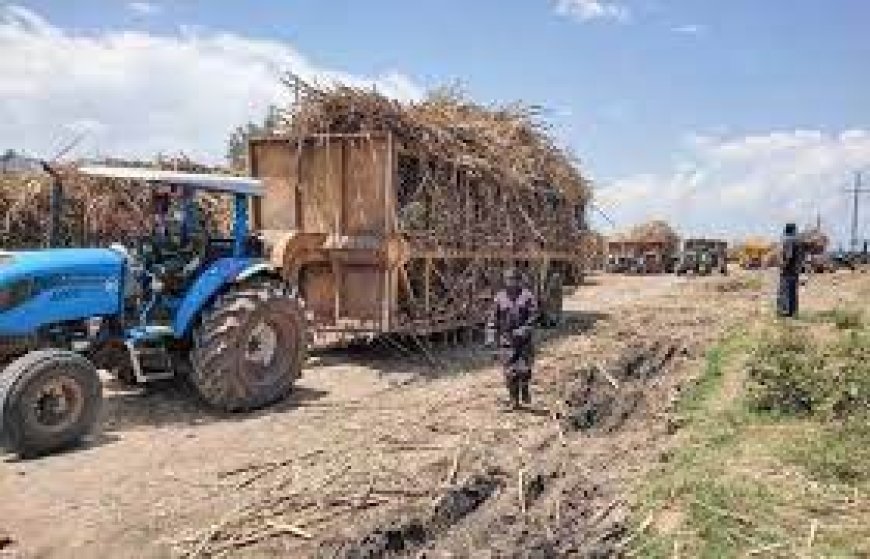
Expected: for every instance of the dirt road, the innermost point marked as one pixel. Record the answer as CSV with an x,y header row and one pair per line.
x,y
373,451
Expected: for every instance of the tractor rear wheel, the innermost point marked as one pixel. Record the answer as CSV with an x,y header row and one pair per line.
x,y
249,346
49,399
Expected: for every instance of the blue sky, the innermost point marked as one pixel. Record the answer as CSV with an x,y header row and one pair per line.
x,y
710,103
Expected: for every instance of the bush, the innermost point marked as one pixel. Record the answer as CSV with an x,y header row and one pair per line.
x,y
849,368
843,319
783,373
790,373
841,455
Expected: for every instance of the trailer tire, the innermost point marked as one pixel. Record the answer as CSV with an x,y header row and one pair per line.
x,y
249,346
49,400
553,303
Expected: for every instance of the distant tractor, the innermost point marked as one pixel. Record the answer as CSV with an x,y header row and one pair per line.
x,y
701,257
179,303
689,261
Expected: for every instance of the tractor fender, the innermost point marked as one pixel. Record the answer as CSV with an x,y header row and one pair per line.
x,y
256,269
213,280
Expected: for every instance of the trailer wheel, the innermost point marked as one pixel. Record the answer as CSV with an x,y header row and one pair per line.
x,y
551,308
49,399
249,347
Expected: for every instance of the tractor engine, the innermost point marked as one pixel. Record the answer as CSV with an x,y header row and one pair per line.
x,y
58,297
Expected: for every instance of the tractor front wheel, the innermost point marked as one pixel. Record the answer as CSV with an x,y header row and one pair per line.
x,y
49,399
249,347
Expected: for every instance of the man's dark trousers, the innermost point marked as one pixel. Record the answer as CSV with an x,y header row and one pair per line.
x,y
787,299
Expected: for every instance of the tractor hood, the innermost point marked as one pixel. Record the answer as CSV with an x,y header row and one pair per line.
x,y
25,264
41,288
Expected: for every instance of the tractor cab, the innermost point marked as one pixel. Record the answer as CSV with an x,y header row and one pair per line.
x,y
179,243
180,300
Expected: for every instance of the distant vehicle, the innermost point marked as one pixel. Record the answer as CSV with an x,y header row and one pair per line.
x,y
820,264
619,264
638,265
754,254
648,263
702,256
850,260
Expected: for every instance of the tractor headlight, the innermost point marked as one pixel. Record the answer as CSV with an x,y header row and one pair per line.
x,y
15,293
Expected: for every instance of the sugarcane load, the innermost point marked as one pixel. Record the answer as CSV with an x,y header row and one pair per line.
x,y
402,217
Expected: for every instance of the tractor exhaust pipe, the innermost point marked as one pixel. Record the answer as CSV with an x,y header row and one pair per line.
x,y
56,203
55,206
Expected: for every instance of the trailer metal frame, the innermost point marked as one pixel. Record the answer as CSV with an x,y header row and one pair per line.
x,y
380,241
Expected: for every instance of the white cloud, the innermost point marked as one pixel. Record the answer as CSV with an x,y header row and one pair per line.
x,y
144,8
690,29
137,94
589,10
748,185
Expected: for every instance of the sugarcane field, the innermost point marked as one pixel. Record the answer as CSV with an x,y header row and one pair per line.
x,y
560,279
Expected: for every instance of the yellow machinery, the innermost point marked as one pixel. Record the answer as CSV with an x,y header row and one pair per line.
x,y
754,254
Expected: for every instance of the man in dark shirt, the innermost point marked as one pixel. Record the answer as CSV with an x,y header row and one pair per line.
x,y
792,258
512,318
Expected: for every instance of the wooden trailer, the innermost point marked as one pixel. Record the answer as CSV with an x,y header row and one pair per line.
x,y
380,240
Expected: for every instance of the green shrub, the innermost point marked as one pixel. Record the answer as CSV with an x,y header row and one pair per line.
x,y
790,373
849,320
843,319
784,373
849,373
839,454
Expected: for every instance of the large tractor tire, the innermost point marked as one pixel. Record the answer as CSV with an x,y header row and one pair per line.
x,y
249,347
49,399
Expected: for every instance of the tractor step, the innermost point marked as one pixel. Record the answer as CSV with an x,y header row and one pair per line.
x,y
150,363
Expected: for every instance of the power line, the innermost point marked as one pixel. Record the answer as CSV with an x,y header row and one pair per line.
x,y
601,211
855,191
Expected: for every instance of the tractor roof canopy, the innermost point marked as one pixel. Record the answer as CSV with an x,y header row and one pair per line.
x,y
197,181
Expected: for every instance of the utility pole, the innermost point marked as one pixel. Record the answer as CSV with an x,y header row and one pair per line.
x,y
855,191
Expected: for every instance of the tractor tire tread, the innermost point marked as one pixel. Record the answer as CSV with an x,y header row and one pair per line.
x,y
12,382
216,373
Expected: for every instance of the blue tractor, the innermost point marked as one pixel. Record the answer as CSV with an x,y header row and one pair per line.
x,y
178,302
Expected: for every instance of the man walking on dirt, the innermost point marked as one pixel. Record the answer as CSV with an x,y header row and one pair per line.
x,y
511,323
789,273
